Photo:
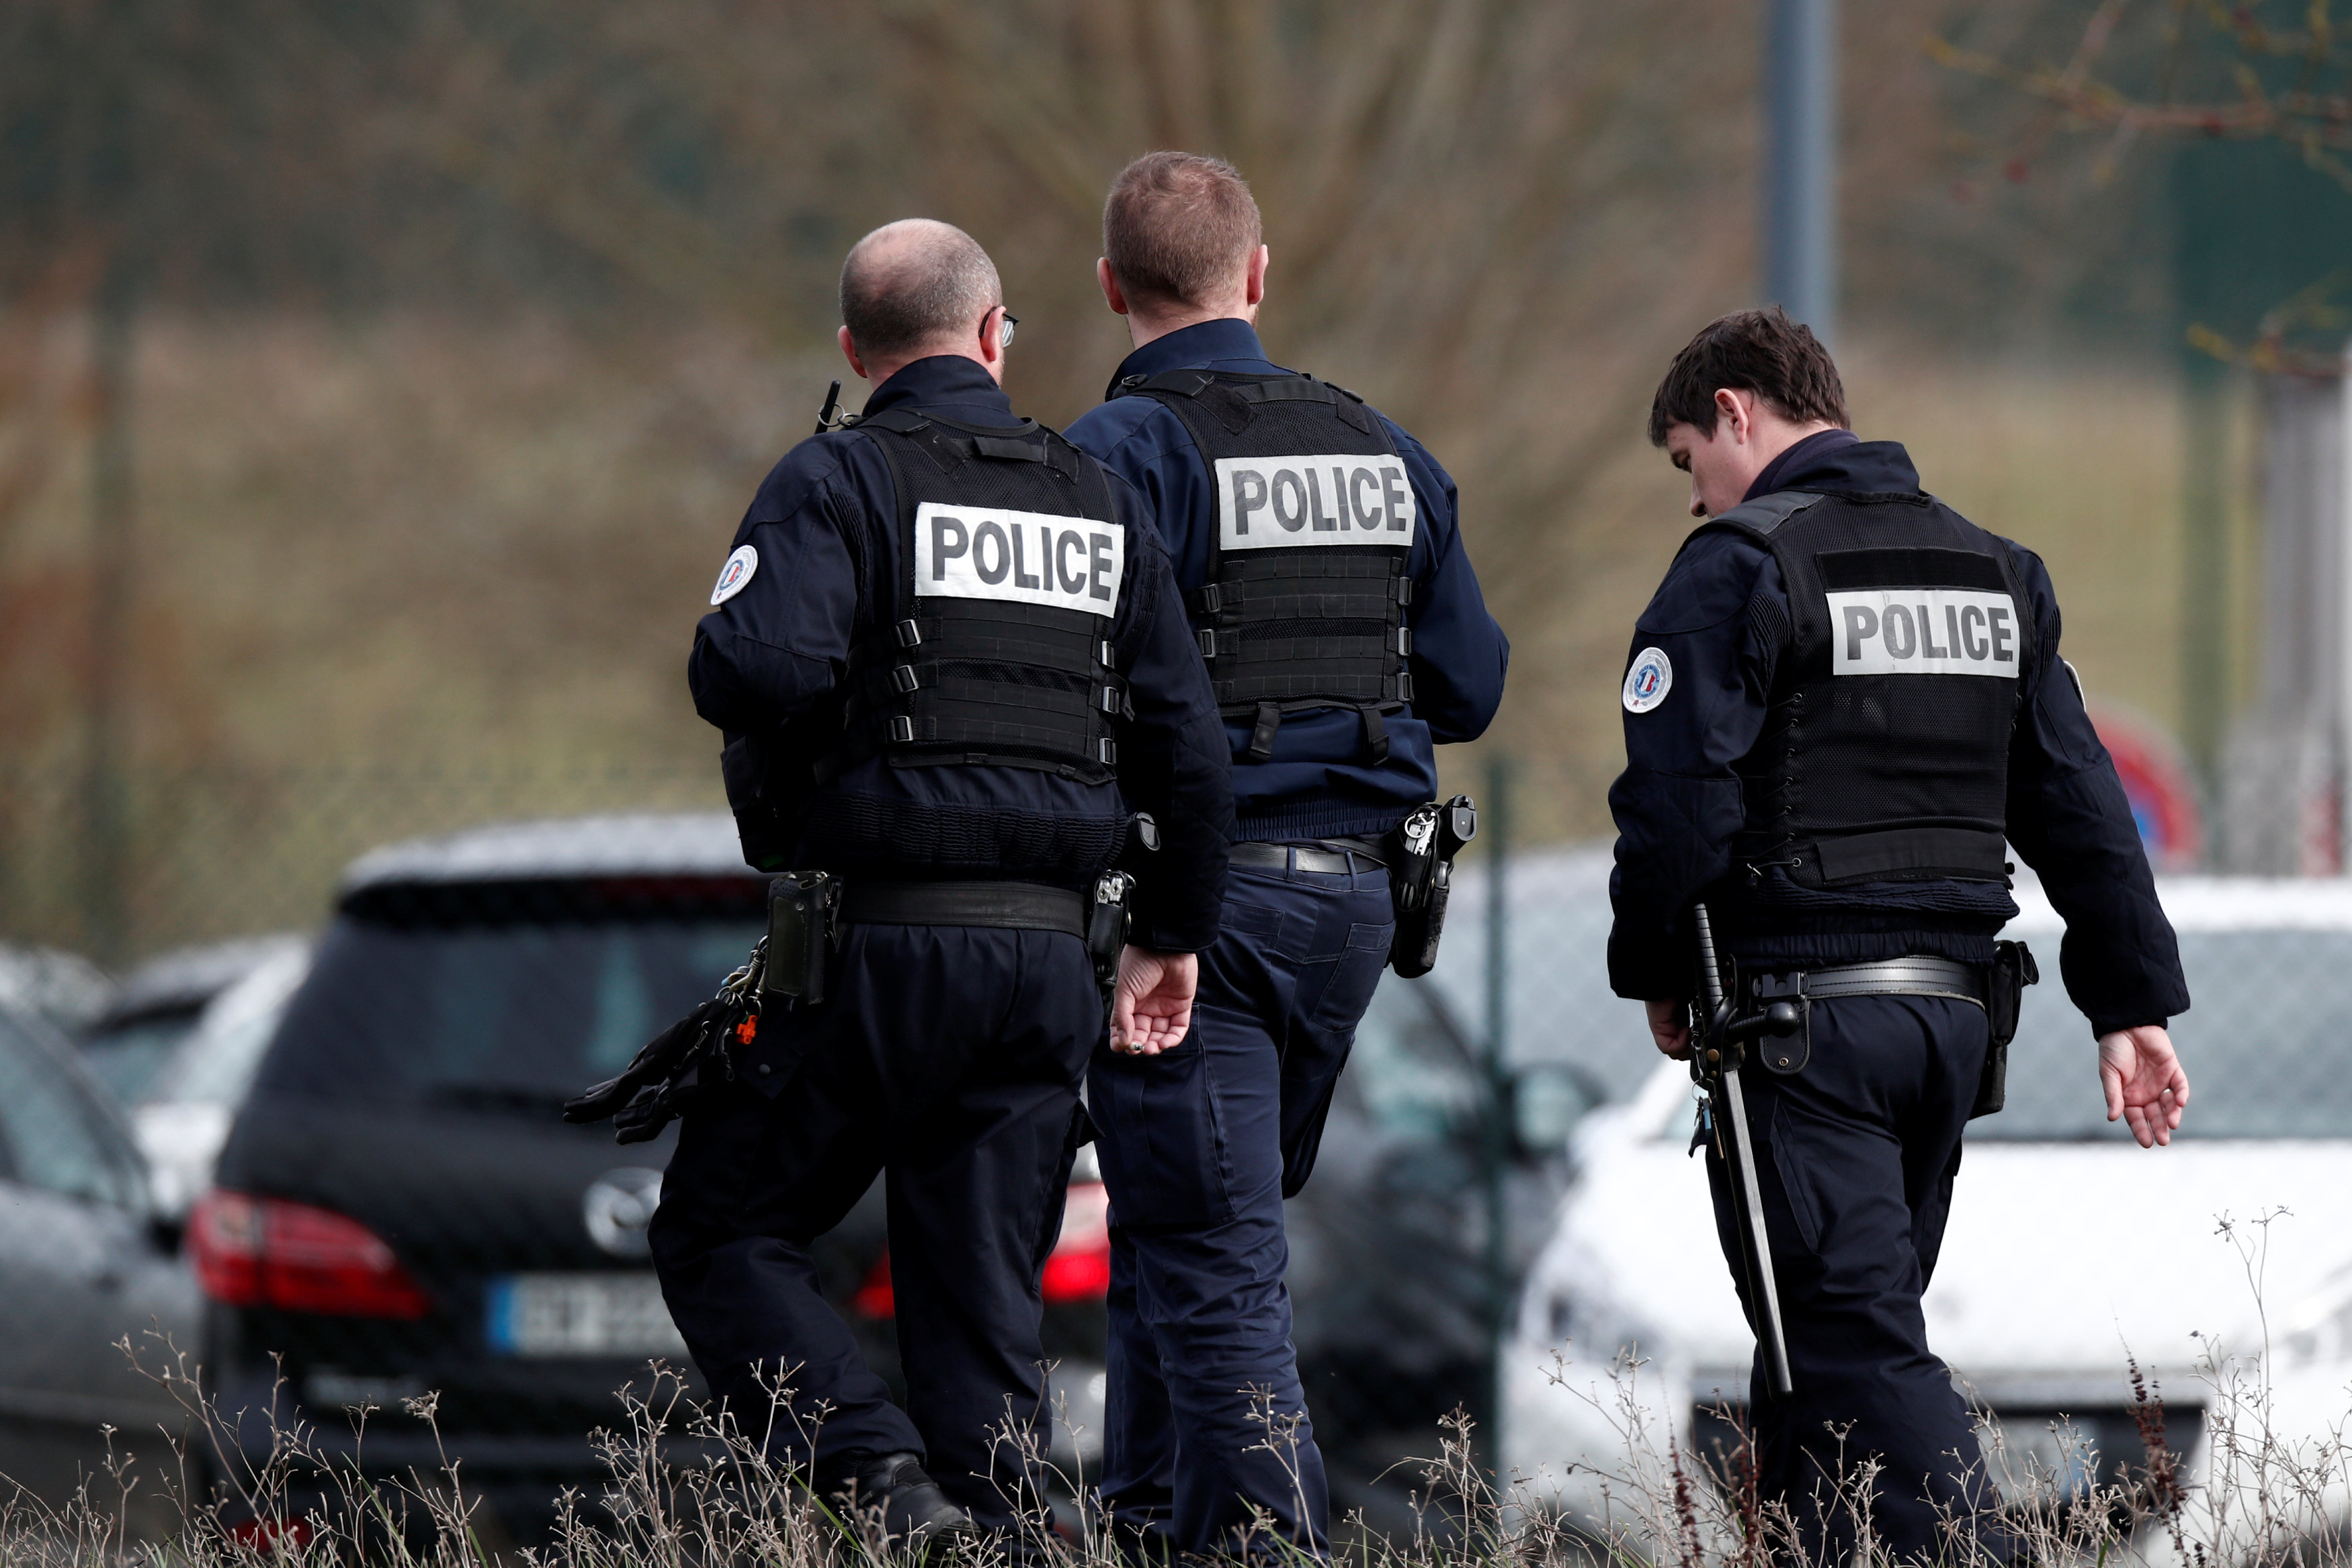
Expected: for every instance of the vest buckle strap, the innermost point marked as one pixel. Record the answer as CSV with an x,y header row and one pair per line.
x,y
1107,752
1208,641
1403,589
910,634
1404,642
1103,658
1211,598
1262,733
902,729
904,680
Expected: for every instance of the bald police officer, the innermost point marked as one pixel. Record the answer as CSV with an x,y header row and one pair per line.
x,y
1843,708
1317,549
950,662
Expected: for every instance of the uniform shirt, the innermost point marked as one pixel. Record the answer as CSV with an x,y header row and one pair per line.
x,y
1320,782
767,660
1721,616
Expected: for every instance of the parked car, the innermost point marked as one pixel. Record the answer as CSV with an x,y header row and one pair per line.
x,y
2069,1250
159,1006
64,990
85,1269
183,1117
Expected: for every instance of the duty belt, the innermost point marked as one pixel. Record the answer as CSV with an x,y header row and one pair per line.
x,y
1332,856
1915,976
1005,905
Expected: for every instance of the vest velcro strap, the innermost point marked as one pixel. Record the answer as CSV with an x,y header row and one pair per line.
x,y
1376,734
1262,733
1006,451
1963,852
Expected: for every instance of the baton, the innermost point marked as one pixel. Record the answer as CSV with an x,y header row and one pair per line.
x,y
1715,1067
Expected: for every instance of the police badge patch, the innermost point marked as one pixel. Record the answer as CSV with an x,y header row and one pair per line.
x,y
735,574
1649,681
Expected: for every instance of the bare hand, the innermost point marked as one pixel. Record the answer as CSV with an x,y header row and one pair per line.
x,y
1670,1027
2146,1086
1154,1002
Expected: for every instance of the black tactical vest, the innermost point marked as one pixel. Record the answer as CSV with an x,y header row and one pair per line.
x,y
994,648
1304,603
1885,755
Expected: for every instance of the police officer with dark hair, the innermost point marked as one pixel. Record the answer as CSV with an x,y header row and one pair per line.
x,y
1843,701
951,665
1317,547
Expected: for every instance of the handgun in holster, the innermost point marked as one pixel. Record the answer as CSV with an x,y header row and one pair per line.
x,y
1110,914
1421,879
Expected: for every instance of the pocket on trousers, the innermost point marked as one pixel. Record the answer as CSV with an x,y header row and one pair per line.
x,y
1354,977
1158,1140
1796,1174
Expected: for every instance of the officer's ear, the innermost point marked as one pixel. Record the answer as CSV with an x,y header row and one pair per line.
x,y
1737,409
1112,296
1254,277
849,353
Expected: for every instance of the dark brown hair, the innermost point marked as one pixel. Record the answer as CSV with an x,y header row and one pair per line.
x,y
1760,351
1177,227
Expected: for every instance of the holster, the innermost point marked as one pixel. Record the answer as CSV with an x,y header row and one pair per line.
x,y
1420,855
801,910
2011,971
1107,918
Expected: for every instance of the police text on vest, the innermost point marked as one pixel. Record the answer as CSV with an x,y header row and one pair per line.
x,y
1923,631
1032,557
1269,503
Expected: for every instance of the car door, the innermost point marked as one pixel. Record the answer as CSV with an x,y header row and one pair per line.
x,y
84,1273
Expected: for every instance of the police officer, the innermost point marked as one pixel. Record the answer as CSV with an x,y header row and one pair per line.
x,y
1842,700
1317,547
948,660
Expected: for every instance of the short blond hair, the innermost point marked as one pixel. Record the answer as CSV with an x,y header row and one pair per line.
x,y
1178,227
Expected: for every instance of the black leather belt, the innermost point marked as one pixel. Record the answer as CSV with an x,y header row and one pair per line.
x,y
1332,856
1006,905
1908,976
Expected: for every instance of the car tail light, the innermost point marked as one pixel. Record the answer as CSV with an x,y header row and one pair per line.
x,y
1078,1269
264,1251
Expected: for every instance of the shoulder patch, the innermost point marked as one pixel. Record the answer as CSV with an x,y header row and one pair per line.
x,y
1649,681
735,574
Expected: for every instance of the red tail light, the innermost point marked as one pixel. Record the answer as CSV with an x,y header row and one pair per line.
x,y
1079,1268
1078,1271
264,1251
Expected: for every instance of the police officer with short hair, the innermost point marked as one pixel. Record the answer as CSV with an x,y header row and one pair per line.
x,y
1842,703
949,662
1317,546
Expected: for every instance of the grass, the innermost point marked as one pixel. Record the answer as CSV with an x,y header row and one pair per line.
x,y
683,1489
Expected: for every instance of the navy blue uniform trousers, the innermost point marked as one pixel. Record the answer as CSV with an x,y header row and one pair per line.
x,y
1200,1144
1856,1154
950,1058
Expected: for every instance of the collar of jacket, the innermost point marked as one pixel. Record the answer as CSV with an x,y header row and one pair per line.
x,y
948,384
1822,462
1228,343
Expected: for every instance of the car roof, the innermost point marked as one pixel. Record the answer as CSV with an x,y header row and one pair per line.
x,y
187,978
2225,904
680,843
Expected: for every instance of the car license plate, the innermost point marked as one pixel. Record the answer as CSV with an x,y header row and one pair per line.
x,y
580,1314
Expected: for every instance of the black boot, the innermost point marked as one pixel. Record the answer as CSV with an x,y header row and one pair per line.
x,y
913,1508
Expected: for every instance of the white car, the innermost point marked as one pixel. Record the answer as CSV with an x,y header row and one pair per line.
x,y
2071,1253
184,1118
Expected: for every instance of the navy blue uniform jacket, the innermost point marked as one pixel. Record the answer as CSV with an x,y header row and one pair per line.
x,y
765,662
1678,803
1321,783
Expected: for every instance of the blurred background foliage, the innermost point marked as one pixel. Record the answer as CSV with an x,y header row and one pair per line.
x,y
381,380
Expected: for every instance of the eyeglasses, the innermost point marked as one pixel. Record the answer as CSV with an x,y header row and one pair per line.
x,y
1004,333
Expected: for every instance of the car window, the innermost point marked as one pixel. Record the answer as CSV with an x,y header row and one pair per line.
x,y
125,1056
52,1130
535,1010
1412,1078
2267,1045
